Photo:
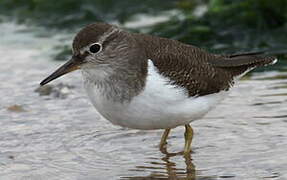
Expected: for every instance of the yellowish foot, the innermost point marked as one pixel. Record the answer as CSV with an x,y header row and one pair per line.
x,y
188,135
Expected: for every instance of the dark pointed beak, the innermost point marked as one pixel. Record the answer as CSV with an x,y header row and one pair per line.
x,y
72,65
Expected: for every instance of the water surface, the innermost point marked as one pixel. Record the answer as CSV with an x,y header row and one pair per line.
x,y
61,136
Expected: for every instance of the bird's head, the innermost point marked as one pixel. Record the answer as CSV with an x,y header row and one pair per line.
x,y
98,49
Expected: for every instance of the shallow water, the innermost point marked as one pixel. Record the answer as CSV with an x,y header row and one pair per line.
x,y
63,137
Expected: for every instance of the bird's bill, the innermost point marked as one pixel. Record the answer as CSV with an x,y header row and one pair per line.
x,y
72,65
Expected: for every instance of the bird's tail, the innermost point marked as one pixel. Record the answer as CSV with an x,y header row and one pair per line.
x,y
248,60
239,64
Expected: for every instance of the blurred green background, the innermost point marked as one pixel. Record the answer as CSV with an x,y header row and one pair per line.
x,y
221,26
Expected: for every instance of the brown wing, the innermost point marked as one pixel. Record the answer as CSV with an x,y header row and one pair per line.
x,y
196,70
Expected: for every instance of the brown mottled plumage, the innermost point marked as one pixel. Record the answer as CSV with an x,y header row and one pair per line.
x,y
198,71
147,82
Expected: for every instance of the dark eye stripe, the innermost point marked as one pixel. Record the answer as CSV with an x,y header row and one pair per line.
x,y
80,57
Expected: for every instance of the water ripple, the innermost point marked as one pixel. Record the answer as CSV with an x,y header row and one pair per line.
x,y
245,137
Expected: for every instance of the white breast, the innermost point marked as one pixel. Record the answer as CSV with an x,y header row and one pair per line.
x,y
159,106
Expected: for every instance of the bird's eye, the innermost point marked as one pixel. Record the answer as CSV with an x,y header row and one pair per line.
x,y
94,48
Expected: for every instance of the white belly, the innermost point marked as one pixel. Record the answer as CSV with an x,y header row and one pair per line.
x,y
159,106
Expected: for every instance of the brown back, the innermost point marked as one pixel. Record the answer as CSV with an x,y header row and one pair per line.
x,y
198,71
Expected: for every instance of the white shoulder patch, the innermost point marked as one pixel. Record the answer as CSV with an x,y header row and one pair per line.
x,y
159,86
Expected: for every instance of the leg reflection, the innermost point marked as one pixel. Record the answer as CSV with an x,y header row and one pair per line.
x,y
170,166
173,172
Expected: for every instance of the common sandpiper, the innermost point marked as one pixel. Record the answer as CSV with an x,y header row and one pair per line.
x,y
146,82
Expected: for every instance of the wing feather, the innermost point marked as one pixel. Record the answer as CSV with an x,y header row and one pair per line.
x,y
198,71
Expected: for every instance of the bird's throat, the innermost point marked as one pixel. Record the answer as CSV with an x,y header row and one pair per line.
x,y
117,87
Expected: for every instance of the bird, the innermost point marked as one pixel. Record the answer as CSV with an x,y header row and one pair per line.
x,y
147,82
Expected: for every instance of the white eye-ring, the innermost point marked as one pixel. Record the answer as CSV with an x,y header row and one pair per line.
x,y
95,48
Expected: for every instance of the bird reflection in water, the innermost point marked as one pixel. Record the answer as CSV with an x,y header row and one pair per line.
x,y
166,169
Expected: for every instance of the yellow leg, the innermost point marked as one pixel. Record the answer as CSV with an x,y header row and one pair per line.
x,y
188,138
163,139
